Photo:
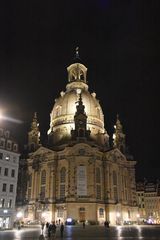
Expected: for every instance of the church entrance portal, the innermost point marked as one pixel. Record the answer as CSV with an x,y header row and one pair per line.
x,y
82,215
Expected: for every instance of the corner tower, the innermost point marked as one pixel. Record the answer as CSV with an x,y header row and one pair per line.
x,y
34,135
119,136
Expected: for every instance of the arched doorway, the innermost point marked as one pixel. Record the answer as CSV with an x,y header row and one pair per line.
x,y
82,214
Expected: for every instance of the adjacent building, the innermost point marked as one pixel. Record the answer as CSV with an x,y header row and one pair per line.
x,y
78,175
148,199
9,161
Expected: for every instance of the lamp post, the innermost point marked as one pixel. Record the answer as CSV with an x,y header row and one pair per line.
x,y
138,218
1,114
118,218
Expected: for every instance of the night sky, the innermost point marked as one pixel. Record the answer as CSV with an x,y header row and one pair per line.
x,y
119,44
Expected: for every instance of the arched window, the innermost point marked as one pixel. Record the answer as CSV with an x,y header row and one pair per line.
x,y
82,213
101,212
43,177
114,178
43,183
62,182
81,75
58,111
63,175
98,175
73,76
82,209
98,183
98,191
98,112
115,191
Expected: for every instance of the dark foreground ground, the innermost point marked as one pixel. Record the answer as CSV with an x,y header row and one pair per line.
x,y
89,233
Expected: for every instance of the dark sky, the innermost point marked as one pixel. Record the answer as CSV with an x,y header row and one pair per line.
x,y
119,44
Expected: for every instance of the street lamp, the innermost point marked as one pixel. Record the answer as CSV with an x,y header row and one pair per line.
x,y
1,114
19,214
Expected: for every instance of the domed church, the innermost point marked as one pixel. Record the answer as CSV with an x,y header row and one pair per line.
x,y
78,175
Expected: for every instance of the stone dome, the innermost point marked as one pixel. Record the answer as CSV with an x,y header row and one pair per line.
x,y
62,115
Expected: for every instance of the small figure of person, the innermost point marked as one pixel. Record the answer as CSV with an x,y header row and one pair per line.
x,y
49,230
59,221
42,227
105,223
18,225
53,229
62,229
47,225
83,224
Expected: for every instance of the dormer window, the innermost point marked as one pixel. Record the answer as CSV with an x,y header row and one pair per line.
x,y
7,134
15,147
1,132
2,143
1,155
9,145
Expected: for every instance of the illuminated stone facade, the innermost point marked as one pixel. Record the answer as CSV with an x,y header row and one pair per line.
x,y
78,175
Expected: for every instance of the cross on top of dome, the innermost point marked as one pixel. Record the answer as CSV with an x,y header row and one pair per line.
x,y
77,52
77,58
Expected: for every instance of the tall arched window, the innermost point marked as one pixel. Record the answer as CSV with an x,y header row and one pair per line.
x,y
98,183
114,178
125,188
43,177
29,186
63,175
98,175
62,182
115,190
43,184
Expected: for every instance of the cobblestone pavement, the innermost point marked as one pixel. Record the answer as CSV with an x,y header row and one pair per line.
x,y
89,233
